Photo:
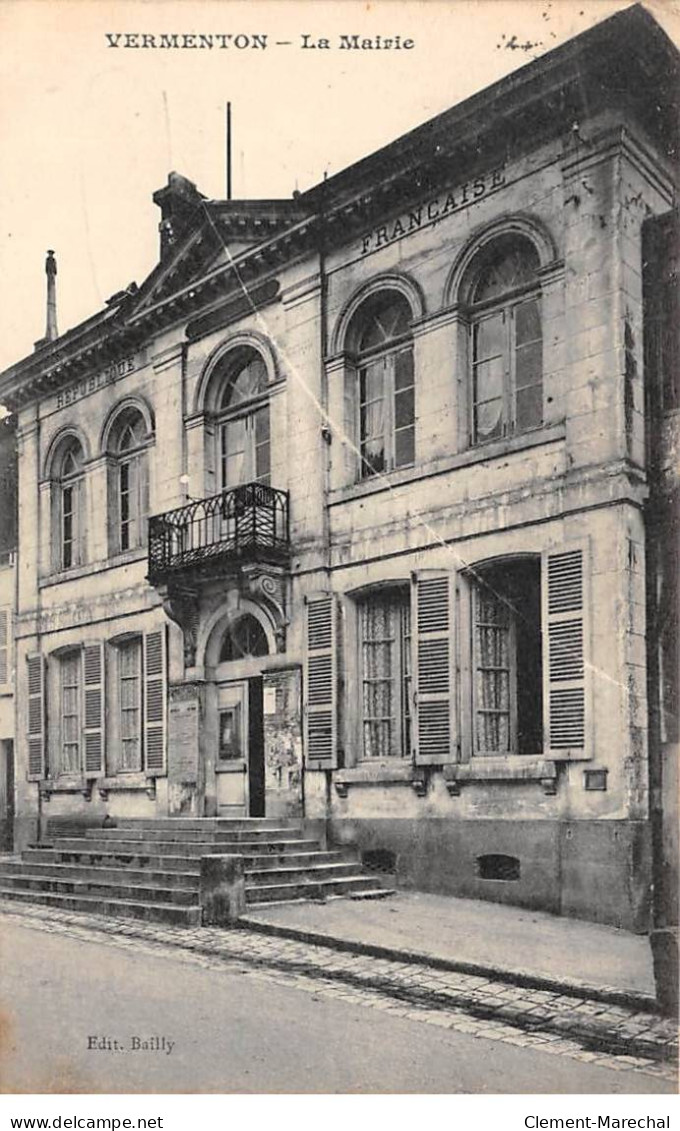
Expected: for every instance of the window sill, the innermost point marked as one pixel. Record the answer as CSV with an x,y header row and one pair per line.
x,y
514,768
127,783
380,773
65,785
114,562
482,453
238,766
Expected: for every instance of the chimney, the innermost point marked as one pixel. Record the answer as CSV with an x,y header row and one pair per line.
x,y
51,331
178,201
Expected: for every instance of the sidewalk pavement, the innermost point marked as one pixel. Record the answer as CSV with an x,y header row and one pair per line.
x,y
617,1036
472,936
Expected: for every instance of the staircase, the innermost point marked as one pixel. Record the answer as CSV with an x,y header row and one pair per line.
x,y
149,869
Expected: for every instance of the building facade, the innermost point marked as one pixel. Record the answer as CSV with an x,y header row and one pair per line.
x,y
342,514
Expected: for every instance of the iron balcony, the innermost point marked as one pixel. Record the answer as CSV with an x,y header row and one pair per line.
x,y
248,523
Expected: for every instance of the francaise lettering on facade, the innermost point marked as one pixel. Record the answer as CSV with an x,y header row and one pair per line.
x,y
432,211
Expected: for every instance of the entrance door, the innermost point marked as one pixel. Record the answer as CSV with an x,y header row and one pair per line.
x,y
239,765
255,749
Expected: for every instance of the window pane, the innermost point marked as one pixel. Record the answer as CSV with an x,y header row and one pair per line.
x,y
233,453
489,338
230,737
513,262
528,364
529,409
130,703
488,420
248,380
488,380
262,463
527,322
404,405
385,671
389,318
404,446
403,369
68,760
372,381
372,457
492,672
262,424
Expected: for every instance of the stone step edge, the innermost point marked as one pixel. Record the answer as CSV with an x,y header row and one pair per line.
x,y
47,897
84,886
113,863
609,995
136,878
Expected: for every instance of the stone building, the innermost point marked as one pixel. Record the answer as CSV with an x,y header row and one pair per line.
x,y
342,515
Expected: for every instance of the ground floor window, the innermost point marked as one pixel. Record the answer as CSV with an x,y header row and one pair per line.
x,y
507,681
70,715
385,646
106,707
128,658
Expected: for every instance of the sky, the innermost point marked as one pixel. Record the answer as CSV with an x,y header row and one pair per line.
x,y
89,131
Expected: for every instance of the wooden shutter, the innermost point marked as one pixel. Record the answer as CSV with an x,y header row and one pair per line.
x,y
434,728
565,653
93,729
321,679
37,719
4,646
154,702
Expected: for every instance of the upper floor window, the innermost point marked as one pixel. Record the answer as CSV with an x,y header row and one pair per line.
x,y
244,450
68,500
130,501
507,341
383,352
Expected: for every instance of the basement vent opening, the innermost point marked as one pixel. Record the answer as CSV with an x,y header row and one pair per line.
x,y
494,866
379,860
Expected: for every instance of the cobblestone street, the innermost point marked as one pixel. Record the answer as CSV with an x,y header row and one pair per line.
x,y
588,1031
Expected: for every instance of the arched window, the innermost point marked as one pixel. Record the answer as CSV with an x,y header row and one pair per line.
x,y
129,481
68,505
507,340
245,639
381,344
243,434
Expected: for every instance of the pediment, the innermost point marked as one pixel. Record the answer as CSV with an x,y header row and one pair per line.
x,y
196,255
223,231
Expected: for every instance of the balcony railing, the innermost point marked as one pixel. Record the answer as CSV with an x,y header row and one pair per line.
x,y
243,524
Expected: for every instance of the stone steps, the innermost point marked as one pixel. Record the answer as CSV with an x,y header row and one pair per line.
x,y
113,908
152,869
183,865
313,889
98,886
195,848
222,835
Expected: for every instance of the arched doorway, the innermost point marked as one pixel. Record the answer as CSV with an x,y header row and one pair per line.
x,y
239,754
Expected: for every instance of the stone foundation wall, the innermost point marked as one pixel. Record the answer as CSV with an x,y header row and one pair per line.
x,y
594,870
